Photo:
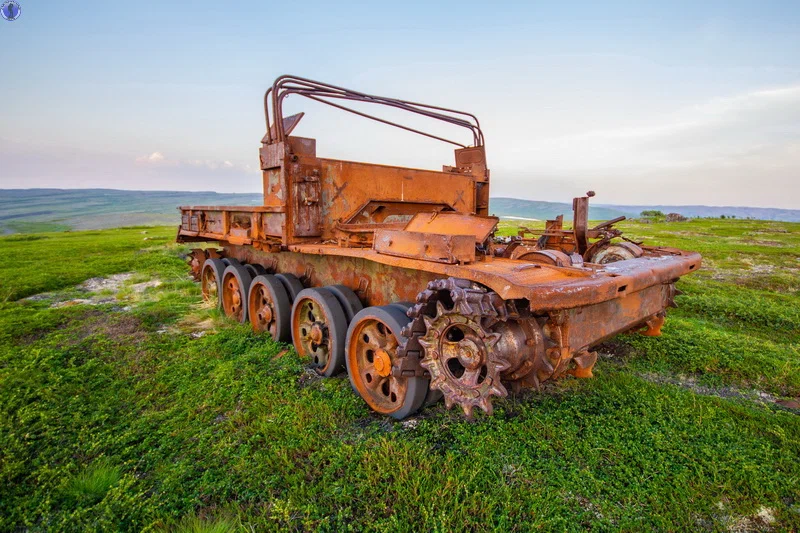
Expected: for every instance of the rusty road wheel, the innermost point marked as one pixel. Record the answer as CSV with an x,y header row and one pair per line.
x,y
210,281
372,341
319,328
269,308
292,284
235,286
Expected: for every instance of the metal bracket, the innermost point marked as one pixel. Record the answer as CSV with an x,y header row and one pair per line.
x,y
363,287
409,366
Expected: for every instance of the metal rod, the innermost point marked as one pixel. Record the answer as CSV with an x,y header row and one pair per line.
x,y
390,123
318,91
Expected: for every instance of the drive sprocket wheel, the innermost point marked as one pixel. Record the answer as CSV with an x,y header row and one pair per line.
x,y
460,347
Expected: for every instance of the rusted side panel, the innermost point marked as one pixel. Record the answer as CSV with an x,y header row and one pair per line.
x,y
453,224
346,186
272,224
590,325
546,287
374,283
306,192
426,246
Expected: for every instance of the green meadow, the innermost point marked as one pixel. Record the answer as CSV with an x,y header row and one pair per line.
x,y
126,404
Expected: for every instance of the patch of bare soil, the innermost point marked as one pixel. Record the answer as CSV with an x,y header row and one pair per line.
x,y
762,520
767,243
97,291
196,323
119,327
111,283
688,382
308,377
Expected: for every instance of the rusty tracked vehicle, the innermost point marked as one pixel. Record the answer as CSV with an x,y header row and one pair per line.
x,y
395,274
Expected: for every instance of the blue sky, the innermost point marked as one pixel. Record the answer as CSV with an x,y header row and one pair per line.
x,y
644,102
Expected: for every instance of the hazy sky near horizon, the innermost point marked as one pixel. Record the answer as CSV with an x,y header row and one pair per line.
x,y
643,102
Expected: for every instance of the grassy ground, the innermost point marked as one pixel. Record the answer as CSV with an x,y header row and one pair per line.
x,y
139,408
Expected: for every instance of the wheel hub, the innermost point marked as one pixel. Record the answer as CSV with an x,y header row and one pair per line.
x,y
209,285
470,355
383,363
265,314
316,334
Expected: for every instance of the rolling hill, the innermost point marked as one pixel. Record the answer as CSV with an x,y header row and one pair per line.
x,y
31,210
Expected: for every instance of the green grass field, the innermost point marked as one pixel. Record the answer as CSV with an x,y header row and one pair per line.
x,y
139,408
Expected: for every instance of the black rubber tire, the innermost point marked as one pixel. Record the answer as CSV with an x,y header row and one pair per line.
x,y
433,396
402,306
218,267
281,307
336,321
251,269
350,302
292,284
395,319
260,269
243,279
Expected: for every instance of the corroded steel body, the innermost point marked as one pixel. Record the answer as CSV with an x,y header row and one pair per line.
x,y
485,313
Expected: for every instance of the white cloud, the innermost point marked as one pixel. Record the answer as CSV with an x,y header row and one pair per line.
x,y
160,160
155,157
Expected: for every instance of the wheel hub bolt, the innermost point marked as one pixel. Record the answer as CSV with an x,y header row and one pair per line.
x,y
316,333
383,363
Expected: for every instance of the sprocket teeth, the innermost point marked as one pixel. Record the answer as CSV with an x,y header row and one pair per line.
x,y
468,407
486,405
502,365
436,383
440,310
492,339
499,390
449,402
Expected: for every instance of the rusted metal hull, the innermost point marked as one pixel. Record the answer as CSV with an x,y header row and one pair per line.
x,y
546,287
375,283
451,309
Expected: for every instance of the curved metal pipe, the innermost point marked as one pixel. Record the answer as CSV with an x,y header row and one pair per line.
x,y
285,85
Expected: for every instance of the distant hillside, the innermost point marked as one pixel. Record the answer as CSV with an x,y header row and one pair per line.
x,y
758,213
546,210
31,210
25,210
511,207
